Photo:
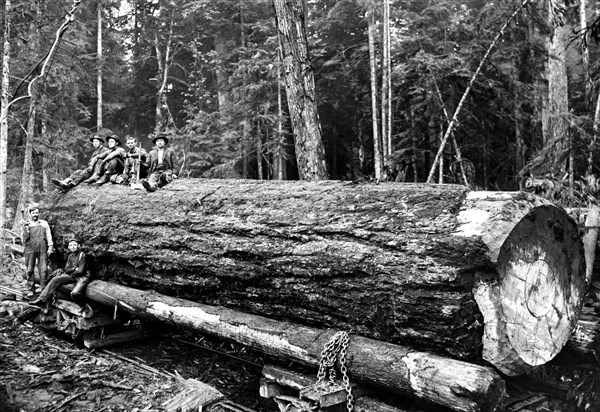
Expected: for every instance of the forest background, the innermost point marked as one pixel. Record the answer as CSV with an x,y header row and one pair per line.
x,y
389,78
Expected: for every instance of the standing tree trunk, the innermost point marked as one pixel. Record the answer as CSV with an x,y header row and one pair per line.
x,y
387,68
99,78
300,86
245,141
162,76
4,99
27,177
377,150
554,123
384,84
585,54
279,157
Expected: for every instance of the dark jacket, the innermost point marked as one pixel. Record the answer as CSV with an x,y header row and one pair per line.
x,y
77,264
114,153
99,153
168,160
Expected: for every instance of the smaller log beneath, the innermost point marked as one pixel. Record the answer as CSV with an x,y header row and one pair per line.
x,y
455,384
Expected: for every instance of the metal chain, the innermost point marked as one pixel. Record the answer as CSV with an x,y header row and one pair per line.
x,y
337,345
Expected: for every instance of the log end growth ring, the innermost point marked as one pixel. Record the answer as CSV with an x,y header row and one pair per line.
x,y
542,283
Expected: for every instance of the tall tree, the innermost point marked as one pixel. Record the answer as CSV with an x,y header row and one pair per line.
x,y
386,84
300,87
377,146
27,176
100,64
4,100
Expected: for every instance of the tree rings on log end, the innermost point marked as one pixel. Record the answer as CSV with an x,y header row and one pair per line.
x,y
535,305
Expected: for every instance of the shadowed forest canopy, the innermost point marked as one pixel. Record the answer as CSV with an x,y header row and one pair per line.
x,y
210,74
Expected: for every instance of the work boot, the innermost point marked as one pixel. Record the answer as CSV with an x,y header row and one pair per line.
x,y
104,179
64,185
92,178
61,184
148,186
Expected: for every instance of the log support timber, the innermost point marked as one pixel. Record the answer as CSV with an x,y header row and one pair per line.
x,y
469,275
455,384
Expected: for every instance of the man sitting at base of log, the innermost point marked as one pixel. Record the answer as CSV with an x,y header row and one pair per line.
x,y
92,170
162,164
135,158
112,163
76,271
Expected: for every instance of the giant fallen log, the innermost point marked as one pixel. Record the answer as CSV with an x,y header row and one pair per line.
x,y
497,276
455,384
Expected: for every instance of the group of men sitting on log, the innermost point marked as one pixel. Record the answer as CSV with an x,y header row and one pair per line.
x,y
119,166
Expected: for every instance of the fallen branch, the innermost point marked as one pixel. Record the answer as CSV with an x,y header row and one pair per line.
x,y
466,93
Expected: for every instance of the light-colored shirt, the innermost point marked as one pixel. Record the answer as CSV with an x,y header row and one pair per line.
x,y
161,155
46,228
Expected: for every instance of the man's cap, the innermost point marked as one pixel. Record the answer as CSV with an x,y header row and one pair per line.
x,y
70,239
97,136
115,138
161,136
129,137
33,206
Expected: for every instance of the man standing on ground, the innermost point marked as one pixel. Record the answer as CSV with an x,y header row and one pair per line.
x,y
38,245
162,164
76,271
92,170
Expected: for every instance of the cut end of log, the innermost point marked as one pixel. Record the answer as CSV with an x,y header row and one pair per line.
x,y
532,310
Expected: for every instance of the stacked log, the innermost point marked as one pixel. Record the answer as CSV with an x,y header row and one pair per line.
x,y
497,276
455,384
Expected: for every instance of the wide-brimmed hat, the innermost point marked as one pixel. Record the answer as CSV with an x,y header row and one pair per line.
x,y
115,138
97,136
161,136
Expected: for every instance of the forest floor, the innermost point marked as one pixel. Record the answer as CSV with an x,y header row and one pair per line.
x,y
44,370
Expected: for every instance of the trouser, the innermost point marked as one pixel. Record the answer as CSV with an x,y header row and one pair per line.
x,y
64,279
114,166
131,169
79,176
160,178
31,257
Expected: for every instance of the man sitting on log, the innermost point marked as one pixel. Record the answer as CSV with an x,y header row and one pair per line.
x,y
162,164
112,162
135,158
92,170
76,271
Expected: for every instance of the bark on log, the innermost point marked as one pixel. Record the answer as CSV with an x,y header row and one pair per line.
x,y
455,384
492,275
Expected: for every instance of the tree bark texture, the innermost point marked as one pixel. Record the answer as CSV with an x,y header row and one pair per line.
x,y
377,150
439,268
455,384
300,87
100,61
4,99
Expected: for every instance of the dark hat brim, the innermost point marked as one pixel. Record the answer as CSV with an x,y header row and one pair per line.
x,y
96,137
160,137
115,138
